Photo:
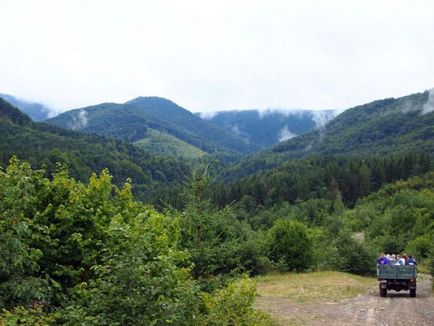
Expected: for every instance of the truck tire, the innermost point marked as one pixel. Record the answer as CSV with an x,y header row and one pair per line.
x,y
412,293
383,292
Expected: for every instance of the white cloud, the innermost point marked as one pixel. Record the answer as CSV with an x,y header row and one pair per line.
x,y
236,130
322,117
79,120
429,105
285,134
207,115
285,112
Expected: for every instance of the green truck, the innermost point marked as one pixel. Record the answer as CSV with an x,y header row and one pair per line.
x,y
397,277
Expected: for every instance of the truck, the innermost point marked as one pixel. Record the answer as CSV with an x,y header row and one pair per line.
x,y
398,278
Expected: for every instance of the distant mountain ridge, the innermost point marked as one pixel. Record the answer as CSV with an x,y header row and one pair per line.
x,y
269,127
383,127
36,111
162,127
132,120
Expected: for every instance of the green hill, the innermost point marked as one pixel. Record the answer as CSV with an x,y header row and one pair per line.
x,y
43,144
130,122
383,127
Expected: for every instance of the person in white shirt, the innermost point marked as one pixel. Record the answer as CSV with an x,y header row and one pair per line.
x,y
399,260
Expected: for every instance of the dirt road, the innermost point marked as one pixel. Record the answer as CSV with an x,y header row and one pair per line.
x,y
368,309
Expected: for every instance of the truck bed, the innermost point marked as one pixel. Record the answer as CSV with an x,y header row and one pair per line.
x,y
397,272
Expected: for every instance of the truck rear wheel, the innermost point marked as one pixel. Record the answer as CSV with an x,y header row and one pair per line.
x,y
412,293
383,292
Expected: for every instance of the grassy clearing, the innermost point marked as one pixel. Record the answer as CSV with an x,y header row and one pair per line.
x,y
164,144
316,287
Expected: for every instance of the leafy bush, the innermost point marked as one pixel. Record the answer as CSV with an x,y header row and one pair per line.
x,y
353,257
138,281
323,249
233,306
421,246
290,244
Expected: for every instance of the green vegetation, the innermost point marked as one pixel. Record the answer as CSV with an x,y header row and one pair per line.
x,y
290,245
339,178
220,245
89,254
160,143
346,234
398,218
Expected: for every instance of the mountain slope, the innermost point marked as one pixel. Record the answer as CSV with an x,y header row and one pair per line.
x,y
164,144
36,111
382,127
131,121
267,128
43,144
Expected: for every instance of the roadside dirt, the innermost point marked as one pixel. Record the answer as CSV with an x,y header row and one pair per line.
x,y
368,309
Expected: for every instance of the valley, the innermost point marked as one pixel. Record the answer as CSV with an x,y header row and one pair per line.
x,y
216,163
96,200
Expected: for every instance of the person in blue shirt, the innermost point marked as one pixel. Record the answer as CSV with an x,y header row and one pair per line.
x,y
411,260
382,260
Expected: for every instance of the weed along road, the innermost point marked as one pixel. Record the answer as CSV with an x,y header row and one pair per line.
x,y
332,298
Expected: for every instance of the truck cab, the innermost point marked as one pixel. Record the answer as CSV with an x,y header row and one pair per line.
x,y
397,277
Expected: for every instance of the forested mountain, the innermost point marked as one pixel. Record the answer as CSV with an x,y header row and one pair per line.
x,y
43,144
383,127
141,120
89,252
267,128
36,111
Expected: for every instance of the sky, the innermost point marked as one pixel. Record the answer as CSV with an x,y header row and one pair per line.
x,y
216,55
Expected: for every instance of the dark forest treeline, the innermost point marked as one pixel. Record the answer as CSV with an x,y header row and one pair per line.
x,y
346,177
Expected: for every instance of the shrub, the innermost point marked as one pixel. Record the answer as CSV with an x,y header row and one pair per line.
x,y
233,306
353,257
139,281
290,244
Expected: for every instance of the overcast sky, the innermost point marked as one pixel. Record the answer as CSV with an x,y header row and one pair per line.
x,y
216,55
